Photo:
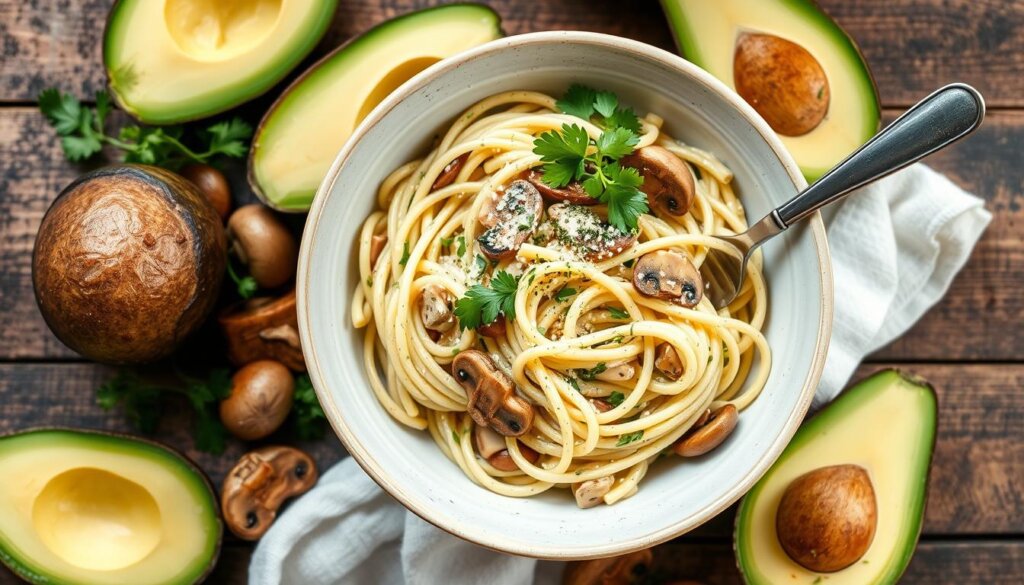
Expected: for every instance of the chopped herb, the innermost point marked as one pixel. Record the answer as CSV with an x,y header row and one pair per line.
x,y
615,398
564,294
481,263
405,253
592,373
572,382
618,313
482,305
461,251
456,437
369,281
447,241
542,330
821,91
630,438
816,581
586,103
455,351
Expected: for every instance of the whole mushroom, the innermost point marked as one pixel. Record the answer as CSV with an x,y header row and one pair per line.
x,y
260,400
668,275
260,241
259,484
213,184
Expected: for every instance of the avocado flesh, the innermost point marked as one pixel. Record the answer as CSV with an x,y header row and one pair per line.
x,y
706,33
299,137
886,424
90,508
180,60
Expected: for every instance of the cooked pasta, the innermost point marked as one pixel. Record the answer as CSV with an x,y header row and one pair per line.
x,y
613,377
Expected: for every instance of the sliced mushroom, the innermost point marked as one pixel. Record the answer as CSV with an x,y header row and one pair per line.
x,y
449,172
515,217
582,230
617,372
666,361
259,484
436,308
701,439
495,329
492,398
263,328
622,570
600,404
260,241
668,275
502,461
487,441
589,493
571,193
668,183
377,243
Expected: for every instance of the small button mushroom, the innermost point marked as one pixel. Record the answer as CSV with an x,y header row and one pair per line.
x,y
261,242
212,184
703,438
617,372
263,328
668,183
621,570
495,329
590,493
449,173
436,308
571,193
492,398
600,404
666,361
668,275
584,231
502,461
377,243
260,400
515,217
259,484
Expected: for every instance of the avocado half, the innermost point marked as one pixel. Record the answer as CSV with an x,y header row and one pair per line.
x,y
707,34
91,508
885,424
300,135
180,60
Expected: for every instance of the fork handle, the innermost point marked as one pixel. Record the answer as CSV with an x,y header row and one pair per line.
x,y
935,122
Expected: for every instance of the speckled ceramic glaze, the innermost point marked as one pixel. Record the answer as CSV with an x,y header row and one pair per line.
x,y
677,495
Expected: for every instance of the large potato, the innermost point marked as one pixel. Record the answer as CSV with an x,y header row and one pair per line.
x,y
128,262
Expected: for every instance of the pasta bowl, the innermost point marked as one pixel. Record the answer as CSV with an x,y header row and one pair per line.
x,y
676,496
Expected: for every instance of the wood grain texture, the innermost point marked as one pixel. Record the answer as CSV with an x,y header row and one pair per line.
x,y
911,45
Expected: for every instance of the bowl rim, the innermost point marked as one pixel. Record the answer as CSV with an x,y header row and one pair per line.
x,y
393,487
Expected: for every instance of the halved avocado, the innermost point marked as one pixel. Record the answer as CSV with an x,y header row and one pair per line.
x,y
784,49
180,60
299,137
886,425
91,508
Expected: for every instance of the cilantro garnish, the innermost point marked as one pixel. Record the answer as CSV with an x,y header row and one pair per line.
x,y
618,313
482,305
629,438
82,134
615,398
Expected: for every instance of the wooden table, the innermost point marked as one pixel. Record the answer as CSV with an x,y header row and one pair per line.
x,y
971,346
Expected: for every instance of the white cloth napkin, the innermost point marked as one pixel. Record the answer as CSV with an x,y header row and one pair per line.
x,y
896,247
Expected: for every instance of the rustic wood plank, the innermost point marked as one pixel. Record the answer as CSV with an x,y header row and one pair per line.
x,y
982,300
975,487
912,46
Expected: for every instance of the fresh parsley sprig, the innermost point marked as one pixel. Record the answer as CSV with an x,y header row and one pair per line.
x,y
481,305
82,132
601,107
570,155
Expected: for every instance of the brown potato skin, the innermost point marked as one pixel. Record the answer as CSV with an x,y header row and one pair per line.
x,y
128,262
782,81
827,518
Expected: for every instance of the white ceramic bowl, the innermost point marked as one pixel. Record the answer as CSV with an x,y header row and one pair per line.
x,y
677,495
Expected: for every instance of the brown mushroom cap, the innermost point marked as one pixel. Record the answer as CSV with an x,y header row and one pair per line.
x,y
571,193
259,484
263,328
213,184
515,217
704,437
261,242
449,173
621,570
502,461
584,231
377,243
666,361
260,400
668,275
668,183
492,398
782,81
495,329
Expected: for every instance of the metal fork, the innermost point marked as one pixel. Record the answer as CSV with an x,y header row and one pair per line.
x,y
935,122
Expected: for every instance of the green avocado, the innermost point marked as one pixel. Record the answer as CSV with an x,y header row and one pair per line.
x,y
886,425
90,508
303,131
709,34
181,60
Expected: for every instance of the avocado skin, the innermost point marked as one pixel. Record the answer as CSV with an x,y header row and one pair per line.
x,y
889,379
105,439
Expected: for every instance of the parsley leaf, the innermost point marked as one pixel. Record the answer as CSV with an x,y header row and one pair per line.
x,y
447,241
615,398
564,294
461,251
629,438
623,118
572,382
616,143
618,313
141,401
578,101
228,138
563,154
592,373
308,418
626,202
482,305
605,103
586,103
405,253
